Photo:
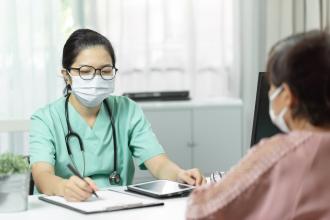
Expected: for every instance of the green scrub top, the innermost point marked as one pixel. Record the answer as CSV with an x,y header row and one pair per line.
x,y
135,138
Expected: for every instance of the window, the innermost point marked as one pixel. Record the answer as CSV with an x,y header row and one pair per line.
x,y
170,44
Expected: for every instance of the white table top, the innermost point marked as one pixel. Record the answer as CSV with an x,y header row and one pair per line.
x,y
172,209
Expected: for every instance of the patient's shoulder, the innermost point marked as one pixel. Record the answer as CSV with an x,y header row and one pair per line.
x,y
259,160
269,151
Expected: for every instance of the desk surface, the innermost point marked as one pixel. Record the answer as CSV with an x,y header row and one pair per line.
x,y
173,209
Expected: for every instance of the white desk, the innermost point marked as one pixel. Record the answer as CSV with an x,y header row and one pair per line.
x,y
172,209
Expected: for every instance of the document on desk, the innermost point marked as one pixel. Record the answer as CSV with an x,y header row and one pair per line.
x,y
108,201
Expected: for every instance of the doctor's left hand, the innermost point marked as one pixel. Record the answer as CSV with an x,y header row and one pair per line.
x,y
192,177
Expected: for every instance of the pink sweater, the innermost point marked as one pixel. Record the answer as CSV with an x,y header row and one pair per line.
x,y
283,177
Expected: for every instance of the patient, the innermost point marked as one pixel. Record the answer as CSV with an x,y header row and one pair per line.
x,y
286,176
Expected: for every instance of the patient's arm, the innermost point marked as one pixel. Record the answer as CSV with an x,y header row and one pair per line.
x,y
241,187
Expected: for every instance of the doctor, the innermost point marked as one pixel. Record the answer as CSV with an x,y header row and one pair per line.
x,y
97,133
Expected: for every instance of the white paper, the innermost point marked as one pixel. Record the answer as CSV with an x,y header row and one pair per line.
x,y
108,200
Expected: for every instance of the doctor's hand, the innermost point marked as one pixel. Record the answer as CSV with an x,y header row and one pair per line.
x,y
192,177
75,189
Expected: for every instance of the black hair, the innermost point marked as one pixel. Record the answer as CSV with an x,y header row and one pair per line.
x,y
302,61
82,39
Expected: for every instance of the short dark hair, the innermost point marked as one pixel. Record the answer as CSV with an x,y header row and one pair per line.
x,y
81,39
302,61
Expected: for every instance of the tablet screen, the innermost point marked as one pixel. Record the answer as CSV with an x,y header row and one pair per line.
x,y
162,187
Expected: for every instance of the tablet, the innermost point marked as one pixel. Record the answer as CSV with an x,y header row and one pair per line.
x,y
161,188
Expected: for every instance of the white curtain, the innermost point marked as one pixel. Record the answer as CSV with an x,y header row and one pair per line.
x,y
30,52
31,38
160,45
286,17
170,44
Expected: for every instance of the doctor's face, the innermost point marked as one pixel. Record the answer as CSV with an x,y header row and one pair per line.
x,y
96,56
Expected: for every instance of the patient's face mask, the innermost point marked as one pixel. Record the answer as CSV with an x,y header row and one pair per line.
x,y
92,92
278,120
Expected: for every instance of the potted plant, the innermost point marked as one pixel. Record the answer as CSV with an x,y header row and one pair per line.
x,y
14,182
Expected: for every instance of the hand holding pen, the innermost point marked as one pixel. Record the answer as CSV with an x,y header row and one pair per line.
x,y
77,188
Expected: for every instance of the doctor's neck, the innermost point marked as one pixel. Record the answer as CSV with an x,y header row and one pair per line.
x,y
83,110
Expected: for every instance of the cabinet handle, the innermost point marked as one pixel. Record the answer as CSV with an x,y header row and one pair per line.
x,y
191,144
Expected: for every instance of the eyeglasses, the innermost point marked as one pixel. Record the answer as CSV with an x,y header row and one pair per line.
x,y
88,72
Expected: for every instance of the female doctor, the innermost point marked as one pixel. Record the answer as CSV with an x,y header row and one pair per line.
x,y
97,133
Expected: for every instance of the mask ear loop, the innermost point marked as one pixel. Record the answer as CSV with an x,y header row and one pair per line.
x,y
281,124
276,93
67,89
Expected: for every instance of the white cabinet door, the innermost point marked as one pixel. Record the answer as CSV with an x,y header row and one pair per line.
x,y
217,137
173,130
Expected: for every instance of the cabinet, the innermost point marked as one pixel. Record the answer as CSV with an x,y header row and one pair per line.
x,y
202,134
217,137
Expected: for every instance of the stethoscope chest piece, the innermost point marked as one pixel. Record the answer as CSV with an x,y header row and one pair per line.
x,y
114,178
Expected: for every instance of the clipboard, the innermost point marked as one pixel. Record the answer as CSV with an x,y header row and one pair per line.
x,y
109,201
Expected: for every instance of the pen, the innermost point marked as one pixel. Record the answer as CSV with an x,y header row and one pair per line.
x,y
75,172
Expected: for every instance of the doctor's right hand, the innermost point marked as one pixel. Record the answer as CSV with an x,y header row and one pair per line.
x,y
75,189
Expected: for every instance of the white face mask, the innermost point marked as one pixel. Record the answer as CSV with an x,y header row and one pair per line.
x,y
278,120
92,92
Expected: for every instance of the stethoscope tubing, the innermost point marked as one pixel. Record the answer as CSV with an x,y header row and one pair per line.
x,y
72,134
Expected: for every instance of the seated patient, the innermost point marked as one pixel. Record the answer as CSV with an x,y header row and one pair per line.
x,y
286,176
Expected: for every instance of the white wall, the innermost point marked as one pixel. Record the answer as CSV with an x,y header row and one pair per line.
x,y
252,59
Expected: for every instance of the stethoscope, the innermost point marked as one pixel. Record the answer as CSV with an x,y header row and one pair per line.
x,y
114,177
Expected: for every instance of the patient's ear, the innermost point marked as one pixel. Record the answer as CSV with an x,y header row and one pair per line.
x,y
290,99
